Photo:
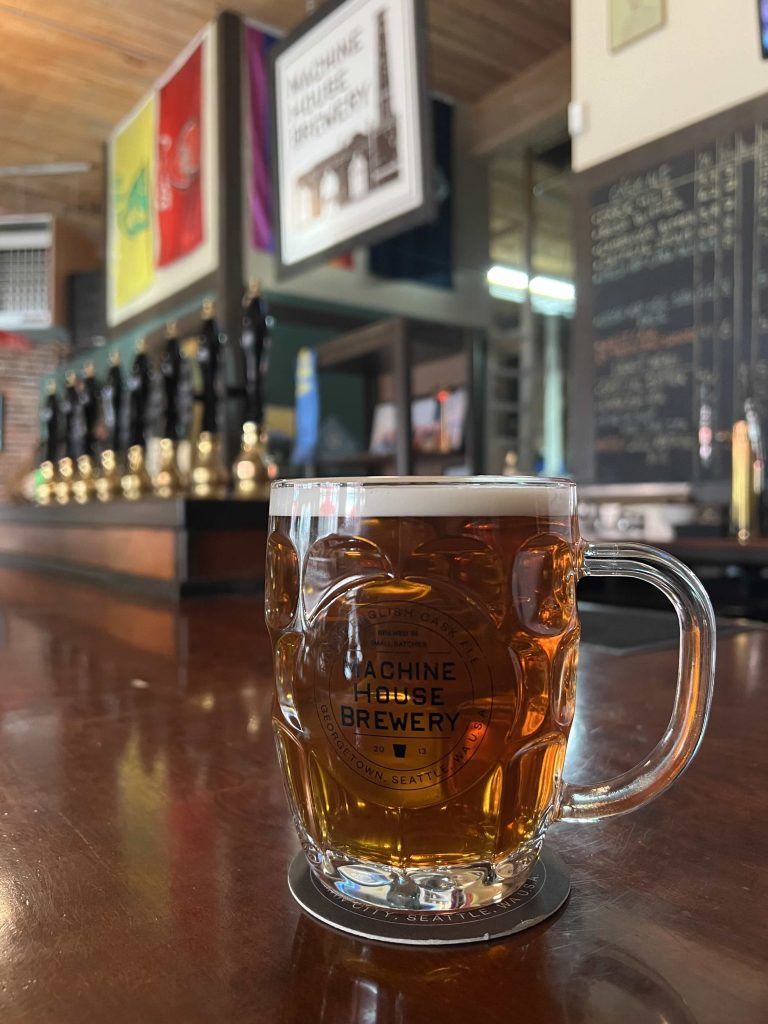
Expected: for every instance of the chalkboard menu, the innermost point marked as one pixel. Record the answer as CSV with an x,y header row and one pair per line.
x,y
673,299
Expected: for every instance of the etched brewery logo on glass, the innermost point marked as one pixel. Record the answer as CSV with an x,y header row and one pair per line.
x,y
407,703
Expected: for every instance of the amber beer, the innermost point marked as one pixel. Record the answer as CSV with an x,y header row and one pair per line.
x,y
425,649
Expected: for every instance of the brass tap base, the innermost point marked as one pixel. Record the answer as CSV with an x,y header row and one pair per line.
x,y
84,484
108,481
62,488
207,478
45,491
253,468
135,482
167,481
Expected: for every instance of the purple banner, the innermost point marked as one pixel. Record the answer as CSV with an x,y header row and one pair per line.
x,y
257,46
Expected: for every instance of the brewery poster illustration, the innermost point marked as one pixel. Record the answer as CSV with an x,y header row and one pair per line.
x,y
351,147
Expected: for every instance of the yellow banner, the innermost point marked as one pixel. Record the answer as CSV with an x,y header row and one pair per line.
x,y
133,190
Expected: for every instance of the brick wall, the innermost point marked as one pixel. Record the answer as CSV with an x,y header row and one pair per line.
x,y
22,365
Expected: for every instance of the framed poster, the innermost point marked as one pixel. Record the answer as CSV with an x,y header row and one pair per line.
x,y
352,139
162,213
633,19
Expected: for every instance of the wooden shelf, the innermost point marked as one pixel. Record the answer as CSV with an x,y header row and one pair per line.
x,y
399,351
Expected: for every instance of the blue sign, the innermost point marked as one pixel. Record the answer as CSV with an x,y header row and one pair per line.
x,y
307,406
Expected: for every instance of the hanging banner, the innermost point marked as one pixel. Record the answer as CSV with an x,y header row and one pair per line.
x,y
132,203
179,188
259,175
162,223
257,45
352,139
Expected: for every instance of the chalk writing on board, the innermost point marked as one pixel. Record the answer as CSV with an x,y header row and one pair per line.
x,y
680,309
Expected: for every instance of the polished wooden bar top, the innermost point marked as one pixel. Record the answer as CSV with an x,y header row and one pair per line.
x,y
144,842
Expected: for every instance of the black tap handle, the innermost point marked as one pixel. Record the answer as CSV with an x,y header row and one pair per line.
x,y
255,341
170,368
69,409
138,386
112,407
208,353
51,419
89,402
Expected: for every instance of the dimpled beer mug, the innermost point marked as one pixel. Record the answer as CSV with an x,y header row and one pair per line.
x,y
425,637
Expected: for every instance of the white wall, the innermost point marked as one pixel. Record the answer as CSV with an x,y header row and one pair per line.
x,y
705,59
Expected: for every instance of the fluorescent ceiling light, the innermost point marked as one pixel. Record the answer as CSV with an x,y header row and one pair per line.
x,y
506,294
507,277
553,288
517,281
37,170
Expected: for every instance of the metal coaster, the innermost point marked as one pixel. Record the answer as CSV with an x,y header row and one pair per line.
x,y
545,892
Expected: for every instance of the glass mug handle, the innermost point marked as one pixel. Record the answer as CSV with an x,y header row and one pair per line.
x,y
695,679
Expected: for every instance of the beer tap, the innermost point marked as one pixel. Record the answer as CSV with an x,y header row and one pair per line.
x,y
207,476
45,489
108,481
135,482
84,484
66,464
253,468
167,481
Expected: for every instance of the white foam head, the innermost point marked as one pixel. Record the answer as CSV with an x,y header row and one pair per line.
x,y
423,496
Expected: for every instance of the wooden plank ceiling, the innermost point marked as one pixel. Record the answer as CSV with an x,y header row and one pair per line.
x,y
71,69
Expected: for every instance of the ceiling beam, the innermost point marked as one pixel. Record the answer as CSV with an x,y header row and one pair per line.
x,y
528,110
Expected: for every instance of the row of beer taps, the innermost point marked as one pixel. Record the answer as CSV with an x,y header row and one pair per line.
x,y
96,435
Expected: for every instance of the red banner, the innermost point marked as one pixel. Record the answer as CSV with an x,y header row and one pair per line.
x,y
179,194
